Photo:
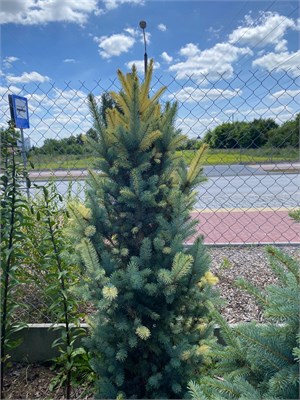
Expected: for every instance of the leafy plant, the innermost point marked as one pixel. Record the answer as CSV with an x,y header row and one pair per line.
x,y
226,264
295,215
35,253
260,361
81,373
51,261
152,329
13,218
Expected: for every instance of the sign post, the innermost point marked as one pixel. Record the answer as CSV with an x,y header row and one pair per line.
x,y
19,114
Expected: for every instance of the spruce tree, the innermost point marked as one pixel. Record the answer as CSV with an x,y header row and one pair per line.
x,y
260,361
152,330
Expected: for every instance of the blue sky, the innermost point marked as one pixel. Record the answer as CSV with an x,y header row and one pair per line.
x,y
46,43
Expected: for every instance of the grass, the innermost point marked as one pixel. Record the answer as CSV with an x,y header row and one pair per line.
x,y
246,156
212,157
58,161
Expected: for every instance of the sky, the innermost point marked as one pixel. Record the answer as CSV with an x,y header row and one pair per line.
x,y
221,60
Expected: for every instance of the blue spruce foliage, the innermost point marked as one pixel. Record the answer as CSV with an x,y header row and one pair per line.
x,y
152,330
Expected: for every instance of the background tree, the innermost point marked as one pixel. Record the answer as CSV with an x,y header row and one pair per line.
x,y
152,330
221,137
107,103
241,134
191,144
286,135
255,133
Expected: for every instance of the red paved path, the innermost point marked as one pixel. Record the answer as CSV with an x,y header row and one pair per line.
x,y
223,227
247,226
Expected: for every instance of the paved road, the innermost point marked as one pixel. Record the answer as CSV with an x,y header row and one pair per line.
x,y
238,204
245,191
210,171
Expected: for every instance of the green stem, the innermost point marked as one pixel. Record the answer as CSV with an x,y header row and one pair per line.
x,y
7,272
62,280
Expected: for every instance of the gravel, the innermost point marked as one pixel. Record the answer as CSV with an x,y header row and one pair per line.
x,y
228,263
251,263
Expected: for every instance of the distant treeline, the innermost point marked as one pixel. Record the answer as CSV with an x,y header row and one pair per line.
x,y
258,133
70,145
229,135
79,144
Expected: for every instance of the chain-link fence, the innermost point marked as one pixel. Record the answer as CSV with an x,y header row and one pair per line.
x,y
250,120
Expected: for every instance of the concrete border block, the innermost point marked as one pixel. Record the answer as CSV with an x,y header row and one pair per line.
x,y
36,342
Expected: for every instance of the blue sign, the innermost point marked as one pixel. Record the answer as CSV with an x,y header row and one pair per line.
x,y
19,110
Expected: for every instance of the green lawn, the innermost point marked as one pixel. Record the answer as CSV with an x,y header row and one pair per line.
x,y
246,156
212,157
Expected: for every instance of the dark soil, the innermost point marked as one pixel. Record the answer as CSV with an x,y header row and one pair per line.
x,y
31,381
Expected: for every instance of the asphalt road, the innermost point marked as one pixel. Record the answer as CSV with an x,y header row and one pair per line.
x,y
227,187
248,191
209,171
237,204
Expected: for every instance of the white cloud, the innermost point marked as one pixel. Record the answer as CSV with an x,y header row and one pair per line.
x,y
69,94
111,46
279,114
268,30
113,4
33,12
54,112
147,36
281,46
140,65
117,44
133,32
137,33
165,56
189,50
27,77
190,94
66,104
70,60
4,90
194,127
212,63
8,61
285,94
214,32
162,27
280,61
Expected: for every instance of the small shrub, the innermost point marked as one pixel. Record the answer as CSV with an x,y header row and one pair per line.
x,y
260,361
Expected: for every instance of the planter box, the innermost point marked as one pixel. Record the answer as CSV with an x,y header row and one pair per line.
x,y
37,339
36,345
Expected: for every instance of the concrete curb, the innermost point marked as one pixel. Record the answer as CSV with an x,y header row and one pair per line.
x,y
37,339
36,342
